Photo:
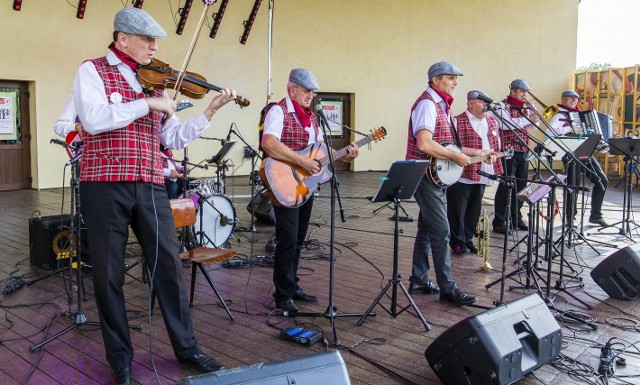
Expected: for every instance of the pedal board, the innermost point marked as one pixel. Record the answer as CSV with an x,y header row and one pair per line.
x,y
301,336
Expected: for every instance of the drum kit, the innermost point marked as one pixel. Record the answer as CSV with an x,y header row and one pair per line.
x,y
216,214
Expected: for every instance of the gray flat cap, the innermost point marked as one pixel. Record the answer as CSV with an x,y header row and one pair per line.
x,y
570,94
519,84
137,22
477,94
443,68
304,78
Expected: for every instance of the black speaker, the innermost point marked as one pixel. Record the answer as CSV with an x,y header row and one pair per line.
x,y
321,368
263,207
498,346
43,232
619,273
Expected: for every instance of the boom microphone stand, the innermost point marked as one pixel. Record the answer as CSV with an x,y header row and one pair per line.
x,y
331,312
76,219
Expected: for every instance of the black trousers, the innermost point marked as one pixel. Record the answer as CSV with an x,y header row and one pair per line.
x,y
291,230
575,173
517,166
110,208
464,203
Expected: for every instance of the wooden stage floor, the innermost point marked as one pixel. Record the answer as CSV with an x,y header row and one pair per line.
x,y
363,254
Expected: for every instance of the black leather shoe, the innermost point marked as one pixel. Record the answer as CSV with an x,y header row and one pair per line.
x,y
203,362
500,229
457,297
460,249
522,226
304,297
287,305
423,288
600,222
120,376
472,248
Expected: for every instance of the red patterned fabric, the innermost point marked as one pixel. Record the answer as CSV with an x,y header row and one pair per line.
x,y
508,138
470,138
126,154
442,132
294,135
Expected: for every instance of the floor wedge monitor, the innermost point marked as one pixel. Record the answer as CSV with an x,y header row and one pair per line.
x,y
619,273
498,346
320,368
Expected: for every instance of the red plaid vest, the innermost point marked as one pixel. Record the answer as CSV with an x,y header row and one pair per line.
x,y
127,154
508,137
442,132
470,138
294,135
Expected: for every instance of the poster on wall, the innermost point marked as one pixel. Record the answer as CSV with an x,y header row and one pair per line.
x,y
333,111
8,129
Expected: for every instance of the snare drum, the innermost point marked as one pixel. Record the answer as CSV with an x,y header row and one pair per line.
x,y
218,220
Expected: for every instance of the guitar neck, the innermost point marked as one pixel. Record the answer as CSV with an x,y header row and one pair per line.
x,y
480,158
341,153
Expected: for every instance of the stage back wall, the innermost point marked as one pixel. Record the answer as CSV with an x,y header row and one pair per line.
x,y
376,51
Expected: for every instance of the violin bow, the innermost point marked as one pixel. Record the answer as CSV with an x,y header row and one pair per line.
x,y
194,40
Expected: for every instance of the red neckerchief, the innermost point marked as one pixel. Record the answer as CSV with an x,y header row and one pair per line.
x,y
569,108
304,114
448,100
126,59
515,102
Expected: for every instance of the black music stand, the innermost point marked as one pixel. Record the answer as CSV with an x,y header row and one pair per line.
x,y
630,148
221,164
400,183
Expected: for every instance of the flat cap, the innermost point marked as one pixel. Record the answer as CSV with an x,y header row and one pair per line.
x,y
477,94
570,94
137,22
443,68
519,84
304,78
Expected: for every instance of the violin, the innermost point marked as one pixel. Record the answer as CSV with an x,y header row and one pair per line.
x,y
160,75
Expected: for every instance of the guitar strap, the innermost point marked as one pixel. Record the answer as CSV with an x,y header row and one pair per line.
x,y
454,133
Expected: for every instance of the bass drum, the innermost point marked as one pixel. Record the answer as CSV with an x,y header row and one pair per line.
x,y
217,222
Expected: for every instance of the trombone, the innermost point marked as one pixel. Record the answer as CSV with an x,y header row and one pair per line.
x,y
549,111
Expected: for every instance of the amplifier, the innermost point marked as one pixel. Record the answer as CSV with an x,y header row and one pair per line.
x,y
49,241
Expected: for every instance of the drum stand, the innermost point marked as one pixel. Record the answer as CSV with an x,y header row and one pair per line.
x,y
76,218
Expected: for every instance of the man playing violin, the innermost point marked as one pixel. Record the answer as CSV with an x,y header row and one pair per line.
x,y
121,185
429,128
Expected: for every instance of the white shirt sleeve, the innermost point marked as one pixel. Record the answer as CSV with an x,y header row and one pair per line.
x,y
67,120
424,117
98,115
274,121
556,125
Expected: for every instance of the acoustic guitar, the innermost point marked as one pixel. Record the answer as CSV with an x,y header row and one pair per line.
x,y
291,186
443,172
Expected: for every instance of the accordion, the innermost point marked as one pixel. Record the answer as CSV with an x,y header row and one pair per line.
x,y
595,122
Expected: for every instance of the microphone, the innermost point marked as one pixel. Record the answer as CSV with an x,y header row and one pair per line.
x,y
223,141
59,142
321,114
487,175
518,108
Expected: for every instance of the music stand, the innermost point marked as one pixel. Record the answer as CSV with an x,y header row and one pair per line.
x,y
630,148
400,183
221,164
226,147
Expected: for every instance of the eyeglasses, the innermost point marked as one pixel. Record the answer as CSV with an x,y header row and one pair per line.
x,y
308,92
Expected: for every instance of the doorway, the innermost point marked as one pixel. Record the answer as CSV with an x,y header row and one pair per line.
x,y
15,136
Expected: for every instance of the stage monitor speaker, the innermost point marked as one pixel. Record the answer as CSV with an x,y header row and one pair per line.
x,y
263,207
498,346
619,273
43,232
321,368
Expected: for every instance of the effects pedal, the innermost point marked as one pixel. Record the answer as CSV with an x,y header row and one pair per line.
x,y
301,336
13,286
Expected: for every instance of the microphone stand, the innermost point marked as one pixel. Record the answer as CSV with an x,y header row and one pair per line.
x,y
331,312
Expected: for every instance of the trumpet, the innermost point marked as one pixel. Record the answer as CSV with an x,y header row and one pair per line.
x,y
482,232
